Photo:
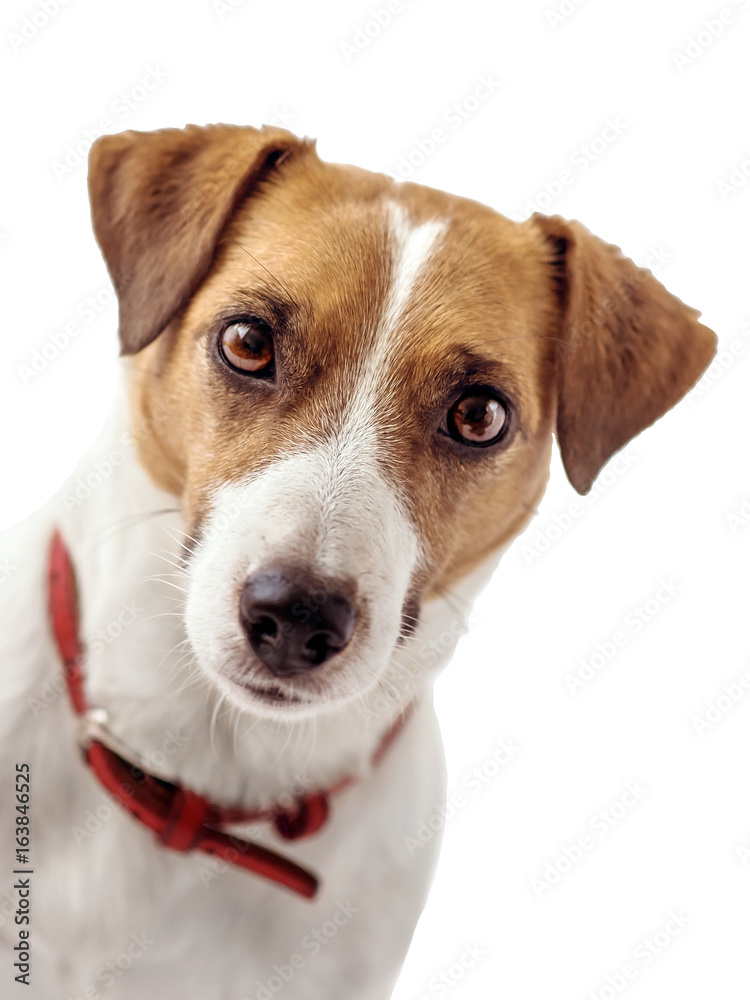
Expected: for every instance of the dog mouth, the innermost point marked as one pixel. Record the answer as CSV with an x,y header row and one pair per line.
x,y
272,695
255,684
258,647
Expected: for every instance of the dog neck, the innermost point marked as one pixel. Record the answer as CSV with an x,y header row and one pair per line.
x,y
126,540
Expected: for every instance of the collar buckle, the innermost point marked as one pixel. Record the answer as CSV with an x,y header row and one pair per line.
x,y
93,727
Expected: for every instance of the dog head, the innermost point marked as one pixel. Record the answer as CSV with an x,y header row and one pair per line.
x,y
352,386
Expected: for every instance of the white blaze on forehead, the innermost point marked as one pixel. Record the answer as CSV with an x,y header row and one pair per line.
x,y
412,246
324,506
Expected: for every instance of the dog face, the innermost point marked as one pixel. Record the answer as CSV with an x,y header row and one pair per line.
x,y
352,386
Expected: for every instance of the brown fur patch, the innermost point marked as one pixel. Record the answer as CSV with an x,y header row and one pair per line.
x,y
308,249
631,349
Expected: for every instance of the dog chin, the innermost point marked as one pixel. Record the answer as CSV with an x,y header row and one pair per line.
x,y
277,700
272,701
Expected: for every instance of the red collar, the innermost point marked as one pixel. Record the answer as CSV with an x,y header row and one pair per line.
x,y
181,819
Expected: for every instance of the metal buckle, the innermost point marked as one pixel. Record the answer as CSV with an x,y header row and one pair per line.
x,y
93,727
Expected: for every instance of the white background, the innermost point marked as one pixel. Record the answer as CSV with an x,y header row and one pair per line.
x,y
654,191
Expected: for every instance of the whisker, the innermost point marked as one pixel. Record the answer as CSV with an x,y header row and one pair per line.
x,y
172,527
165,614
167,583
277,280
109,530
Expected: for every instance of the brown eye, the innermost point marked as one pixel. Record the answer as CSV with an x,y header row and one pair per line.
x,y
248,346
477,418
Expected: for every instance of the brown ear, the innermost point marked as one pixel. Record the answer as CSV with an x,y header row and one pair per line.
x,y
159,201
630,350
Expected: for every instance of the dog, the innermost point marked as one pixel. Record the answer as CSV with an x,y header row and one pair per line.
x,y
337,409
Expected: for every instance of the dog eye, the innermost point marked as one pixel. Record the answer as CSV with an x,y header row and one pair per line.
x,y
247,345
478,418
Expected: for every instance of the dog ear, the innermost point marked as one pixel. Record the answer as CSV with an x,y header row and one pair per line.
x,y
159,201
629,349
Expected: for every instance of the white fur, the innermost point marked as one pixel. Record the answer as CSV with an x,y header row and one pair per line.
x,y
412,247
100,878
323,507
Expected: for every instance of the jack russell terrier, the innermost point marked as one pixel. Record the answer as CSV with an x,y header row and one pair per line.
x,y
219,639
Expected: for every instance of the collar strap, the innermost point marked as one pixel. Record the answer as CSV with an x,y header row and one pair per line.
x,y
181,819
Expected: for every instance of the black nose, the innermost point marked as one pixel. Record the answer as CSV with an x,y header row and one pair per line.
x,y
292,622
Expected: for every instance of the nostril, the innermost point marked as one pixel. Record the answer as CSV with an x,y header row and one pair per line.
x,y
293,622
318,648
264,637
265,627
